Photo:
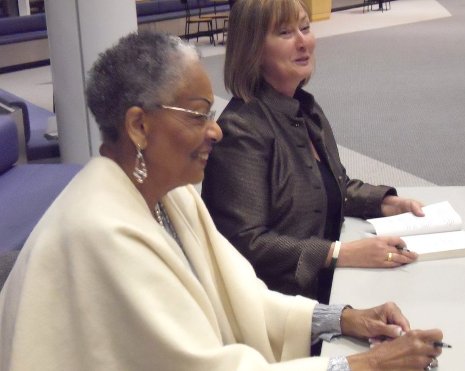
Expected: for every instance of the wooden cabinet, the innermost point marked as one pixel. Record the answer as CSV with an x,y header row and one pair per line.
x,y
319,9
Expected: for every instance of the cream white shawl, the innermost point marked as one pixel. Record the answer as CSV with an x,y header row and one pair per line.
x,y
99,286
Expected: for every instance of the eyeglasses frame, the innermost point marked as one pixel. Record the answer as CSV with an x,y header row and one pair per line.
x,y
209,116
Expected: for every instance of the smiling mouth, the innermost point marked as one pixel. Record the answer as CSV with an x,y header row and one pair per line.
x,y
302,60
203,156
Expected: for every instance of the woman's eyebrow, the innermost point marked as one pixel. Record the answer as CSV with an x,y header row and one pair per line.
x,y
201,99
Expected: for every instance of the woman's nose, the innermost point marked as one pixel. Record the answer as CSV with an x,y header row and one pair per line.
x,y
300,40
214,131
300,36
304,40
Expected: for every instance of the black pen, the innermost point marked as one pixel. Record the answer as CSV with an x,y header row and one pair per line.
x,y
440,344
402,248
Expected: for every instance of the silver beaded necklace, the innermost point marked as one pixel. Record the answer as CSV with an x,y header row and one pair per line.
x,y
161,216
157,214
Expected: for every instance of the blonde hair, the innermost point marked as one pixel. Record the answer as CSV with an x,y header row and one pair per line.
x,y
249,23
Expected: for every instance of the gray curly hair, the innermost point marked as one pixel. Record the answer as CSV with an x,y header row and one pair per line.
x,y
143,69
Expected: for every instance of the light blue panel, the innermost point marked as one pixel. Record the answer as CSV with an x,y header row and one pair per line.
x,y
78,31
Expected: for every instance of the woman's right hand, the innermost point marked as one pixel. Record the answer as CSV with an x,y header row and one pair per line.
x,y
412,351
376,252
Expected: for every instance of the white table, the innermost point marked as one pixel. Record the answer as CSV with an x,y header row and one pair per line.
x,y
431,294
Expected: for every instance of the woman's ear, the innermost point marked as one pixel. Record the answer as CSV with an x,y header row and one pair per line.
x,y
136,127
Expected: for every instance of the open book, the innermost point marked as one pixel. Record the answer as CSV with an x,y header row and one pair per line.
x,y
437,235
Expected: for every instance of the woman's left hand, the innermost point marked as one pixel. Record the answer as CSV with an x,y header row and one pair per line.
x,y
393,205
386,321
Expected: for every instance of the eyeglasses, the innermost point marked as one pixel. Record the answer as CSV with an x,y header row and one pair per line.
x,y
209,116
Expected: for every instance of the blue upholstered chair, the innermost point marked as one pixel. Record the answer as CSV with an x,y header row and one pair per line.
x,y
35,126
26,191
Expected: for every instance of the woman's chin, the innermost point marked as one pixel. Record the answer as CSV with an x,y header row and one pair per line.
x,y
196,178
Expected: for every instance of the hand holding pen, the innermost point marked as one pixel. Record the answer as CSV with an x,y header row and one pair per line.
x,y
433,363
407,349
380,339
415,350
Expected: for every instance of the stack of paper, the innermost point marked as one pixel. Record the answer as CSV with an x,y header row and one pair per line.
x,y
437,235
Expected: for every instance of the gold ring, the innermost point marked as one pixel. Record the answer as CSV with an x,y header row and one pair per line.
x,y
389,257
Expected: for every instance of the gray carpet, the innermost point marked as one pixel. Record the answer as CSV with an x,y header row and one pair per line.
x,y
396,95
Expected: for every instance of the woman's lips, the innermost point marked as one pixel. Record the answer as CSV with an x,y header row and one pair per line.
x,y
302,60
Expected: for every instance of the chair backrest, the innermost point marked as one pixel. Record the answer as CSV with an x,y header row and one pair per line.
x,y
13,101
189,7
35,123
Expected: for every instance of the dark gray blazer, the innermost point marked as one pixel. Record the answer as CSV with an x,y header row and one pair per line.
x,y
265,193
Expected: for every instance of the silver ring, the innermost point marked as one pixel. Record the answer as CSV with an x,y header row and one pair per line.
x,y
432,364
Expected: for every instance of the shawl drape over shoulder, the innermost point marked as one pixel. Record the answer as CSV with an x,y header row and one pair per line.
x,y
99,286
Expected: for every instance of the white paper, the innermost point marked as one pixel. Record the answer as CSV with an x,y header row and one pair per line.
x,y
439,217
437,245
436,235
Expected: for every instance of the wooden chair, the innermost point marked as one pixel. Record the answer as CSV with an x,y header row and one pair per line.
x,y
225,30
387,3
216,16
382,5
366,5
197,20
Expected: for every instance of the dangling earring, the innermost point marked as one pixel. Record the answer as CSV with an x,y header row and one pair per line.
x,y
140,169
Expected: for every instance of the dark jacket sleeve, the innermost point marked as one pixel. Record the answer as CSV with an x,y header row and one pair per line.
x,y
363,200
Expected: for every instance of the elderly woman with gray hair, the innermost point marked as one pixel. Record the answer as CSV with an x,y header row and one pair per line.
x,y
126,270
